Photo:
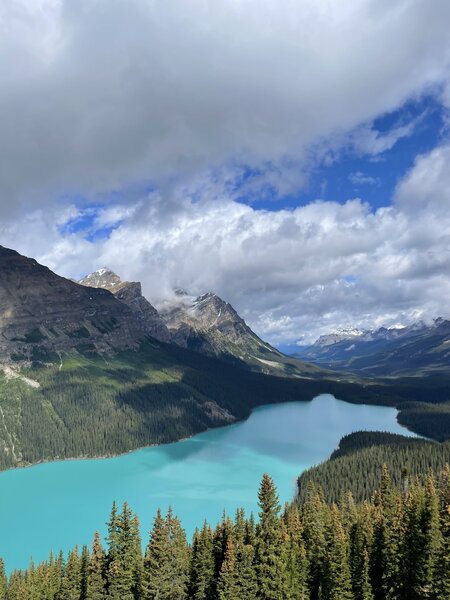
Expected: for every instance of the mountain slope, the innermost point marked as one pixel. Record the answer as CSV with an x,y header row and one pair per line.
x,y
416,350
205,324
79,377
130,292
42,313
209,325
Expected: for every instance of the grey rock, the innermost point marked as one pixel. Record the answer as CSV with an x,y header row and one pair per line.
x,y
41,312
130,293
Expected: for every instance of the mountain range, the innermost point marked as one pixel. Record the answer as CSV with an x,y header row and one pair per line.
x,y
418,349
205,324
94,369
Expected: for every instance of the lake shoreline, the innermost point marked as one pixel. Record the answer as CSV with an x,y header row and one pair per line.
x,y
185,438
217,469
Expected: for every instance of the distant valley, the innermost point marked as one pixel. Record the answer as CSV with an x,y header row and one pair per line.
x,y
417,350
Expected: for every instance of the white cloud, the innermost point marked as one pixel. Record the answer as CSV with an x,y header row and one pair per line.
x,y
427,185
290,273
360,178
96,94
100,96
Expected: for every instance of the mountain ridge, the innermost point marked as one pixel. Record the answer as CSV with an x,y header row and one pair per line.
x,y
416,349
206,324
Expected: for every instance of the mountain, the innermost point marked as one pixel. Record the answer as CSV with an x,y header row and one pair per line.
x,y
79,376
339,335
209,325
130,293
418,349
205,324
42,313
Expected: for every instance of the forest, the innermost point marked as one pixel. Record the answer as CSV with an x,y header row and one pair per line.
x,y
395,546
357,463
90,405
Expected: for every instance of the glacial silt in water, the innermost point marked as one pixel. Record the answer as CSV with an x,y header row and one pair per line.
x,y
60,504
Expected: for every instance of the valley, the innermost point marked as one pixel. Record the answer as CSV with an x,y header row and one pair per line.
x,y
210,472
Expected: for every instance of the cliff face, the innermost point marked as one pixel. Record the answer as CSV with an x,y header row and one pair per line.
x,y
41,312
130,293
208,324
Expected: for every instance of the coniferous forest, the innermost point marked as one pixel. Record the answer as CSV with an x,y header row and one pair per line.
x,y
394,546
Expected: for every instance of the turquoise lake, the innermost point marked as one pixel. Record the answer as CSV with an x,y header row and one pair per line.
x,y
60,504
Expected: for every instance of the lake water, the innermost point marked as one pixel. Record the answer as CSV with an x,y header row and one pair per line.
x,y
60,504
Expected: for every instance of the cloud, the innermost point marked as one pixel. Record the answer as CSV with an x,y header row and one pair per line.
x,y
427,185
360,178
96,95
291,273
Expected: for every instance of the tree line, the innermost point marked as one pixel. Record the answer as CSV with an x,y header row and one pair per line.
x,y
357,463
394,547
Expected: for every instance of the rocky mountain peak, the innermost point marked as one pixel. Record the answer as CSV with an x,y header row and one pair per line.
x,y
130,293
41,312
339,335
102,278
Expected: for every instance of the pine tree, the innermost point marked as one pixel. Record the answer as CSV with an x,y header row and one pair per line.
x,y
202,565
296,561
337,583
227,585
314,524
123,556
441,587
361,536
3,580
95,579
156,570
244,539
84,570
270,566
178,558
71,580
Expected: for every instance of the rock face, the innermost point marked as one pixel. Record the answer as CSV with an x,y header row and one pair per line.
x,y
130,293
208,324
41,312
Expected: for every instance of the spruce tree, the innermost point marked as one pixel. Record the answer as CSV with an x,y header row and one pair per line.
x,y
361,536
387,555
314,523
71,580
296,560
337,583
201,583
178,558
227,584
441,587
96,579
3,580
84,571
156,570
222,535
123,556
270,567
244,539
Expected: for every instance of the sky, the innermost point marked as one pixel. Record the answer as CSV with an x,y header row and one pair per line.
x,y
292,155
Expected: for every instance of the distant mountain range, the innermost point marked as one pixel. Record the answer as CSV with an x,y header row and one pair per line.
x,y
418,349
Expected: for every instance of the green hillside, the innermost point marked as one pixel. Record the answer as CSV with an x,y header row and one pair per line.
x,y
355,466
